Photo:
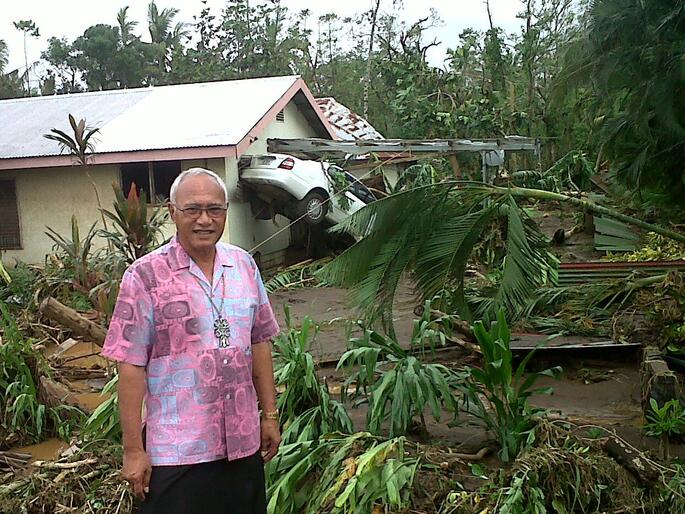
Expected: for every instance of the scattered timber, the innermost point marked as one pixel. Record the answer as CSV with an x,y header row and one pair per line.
x,y
69,318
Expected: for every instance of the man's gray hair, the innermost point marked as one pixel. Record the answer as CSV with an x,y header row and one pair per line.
x,y
193,172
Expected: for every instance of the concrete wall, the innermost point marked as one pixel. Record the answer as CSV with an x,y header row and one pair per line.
x,y
49,197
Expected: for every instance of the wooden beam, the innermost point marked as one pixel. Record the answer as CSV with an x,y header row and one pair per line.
x,y
425,146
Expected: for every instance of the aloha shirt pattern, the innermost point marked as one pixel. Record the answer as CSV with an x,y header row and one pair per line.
x,y
201,404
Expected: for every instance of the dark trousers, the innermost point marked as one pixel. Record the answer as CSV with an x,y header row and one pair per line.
x,y
218,487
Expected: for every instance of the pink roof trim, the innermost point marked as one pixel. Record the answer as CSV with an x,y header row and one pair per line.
x,y
167,154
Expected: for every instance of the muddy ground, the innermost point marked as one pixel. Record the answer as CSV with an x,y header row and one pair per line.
x,y
598,387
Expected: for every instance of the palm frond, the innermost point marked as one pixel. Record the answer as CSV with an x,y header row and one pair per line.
x,y
528,264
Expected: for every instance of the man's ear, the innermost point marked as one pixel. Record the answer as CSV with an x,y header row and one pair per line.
x,y
172,210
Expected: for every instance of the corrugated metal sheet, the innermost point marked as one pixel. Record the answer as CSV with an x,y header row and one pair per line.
x,y
614,236
181,116
584,272
348,125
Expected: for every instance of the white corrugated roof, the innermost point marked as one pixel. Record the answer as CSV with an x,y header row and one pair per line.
x,y
348,125
181,116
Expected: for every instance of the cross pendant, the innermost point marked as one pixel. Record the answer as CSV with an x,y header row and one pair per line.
x,y
222,331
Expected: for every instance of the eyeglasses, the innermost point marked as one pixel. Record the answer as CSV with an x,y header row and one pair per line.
x,y
213,211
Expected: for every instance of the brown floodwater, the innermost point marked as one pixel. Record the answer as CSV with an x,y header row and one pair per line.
x,y
47,450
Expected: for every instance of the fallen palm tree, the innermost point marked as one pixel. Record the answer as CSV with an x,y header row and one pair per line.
x,y
434,231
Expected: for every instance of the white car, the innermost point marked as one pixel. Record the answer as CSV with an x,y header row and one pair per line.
x,y
299,188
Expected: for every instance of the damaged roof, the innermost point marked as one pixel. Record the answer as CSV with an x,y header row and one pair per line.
x,y
348,125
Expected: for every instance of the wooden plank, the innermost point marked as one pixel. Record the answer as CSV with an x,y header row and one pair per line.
x,y
547,342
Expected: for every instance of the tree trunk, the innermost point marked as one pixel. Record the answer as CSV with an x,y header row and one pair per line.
x,y
538,194
69,318
487,7
367,77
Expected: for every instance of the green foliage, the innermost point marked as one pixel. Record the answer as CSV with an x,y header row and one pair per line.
x,y
137,232
418,175
432,231
498,392
103,423
399,386
81,145
340,474
629,54
305,406
77,252
299,275
655,248
564,474
665,422
570,173
24,419
20,285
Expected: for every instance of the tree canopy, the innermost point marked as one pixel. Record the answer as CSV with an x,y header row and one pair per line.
x,y
603,77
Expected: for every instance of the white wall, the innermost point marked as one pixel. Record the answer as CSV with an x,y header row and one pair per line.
x,y
48,197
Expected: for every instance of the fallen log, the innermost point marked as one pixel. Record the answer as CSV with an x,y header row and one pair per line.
x,y
69,318
634,461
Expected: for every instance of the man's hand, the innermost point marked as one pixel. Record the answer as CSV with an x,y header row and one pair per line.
x,y
271,438
136,471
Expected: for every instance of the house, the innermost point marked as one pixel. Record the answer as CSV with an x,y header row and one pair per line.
x,y
146,136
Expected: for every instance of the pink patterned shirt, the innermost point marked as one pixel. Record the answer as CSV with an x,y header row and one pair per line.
x,y
201,403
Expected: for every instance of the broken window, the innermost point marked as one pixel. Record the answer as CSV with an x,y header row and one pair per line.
x,y
9,216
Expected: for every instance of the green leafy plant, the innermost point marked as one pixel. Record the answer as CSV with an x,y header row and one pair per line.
x,y
665,422
21,288
137,231
103,423
78,254
306,409
340,474
498,392
398,386
24,418
299,275
3,272
432,233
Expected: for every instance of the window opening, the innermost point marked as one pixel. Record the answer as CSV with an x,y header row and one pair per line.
x,y
10,237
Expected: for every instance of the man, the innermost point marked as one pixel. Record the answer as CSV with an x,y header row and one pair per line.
x,y
191,333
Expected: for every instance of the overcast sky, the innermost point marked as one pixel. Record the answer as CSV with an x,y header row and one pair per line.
x,y
69,18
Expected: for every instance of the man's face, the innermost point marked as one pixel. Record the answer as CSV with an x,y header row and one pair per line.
x,y
198,234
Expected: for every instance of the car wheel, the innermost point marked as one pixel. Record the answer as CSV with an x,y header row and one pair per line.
x,y
313,207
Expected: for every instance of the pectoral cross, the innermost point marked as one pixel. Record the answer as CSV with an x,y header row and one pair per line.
x,y
222,331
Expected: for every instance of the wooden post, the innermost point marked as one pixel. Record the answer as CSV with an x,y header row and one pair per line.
x,y
455,166
657,380
69,318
